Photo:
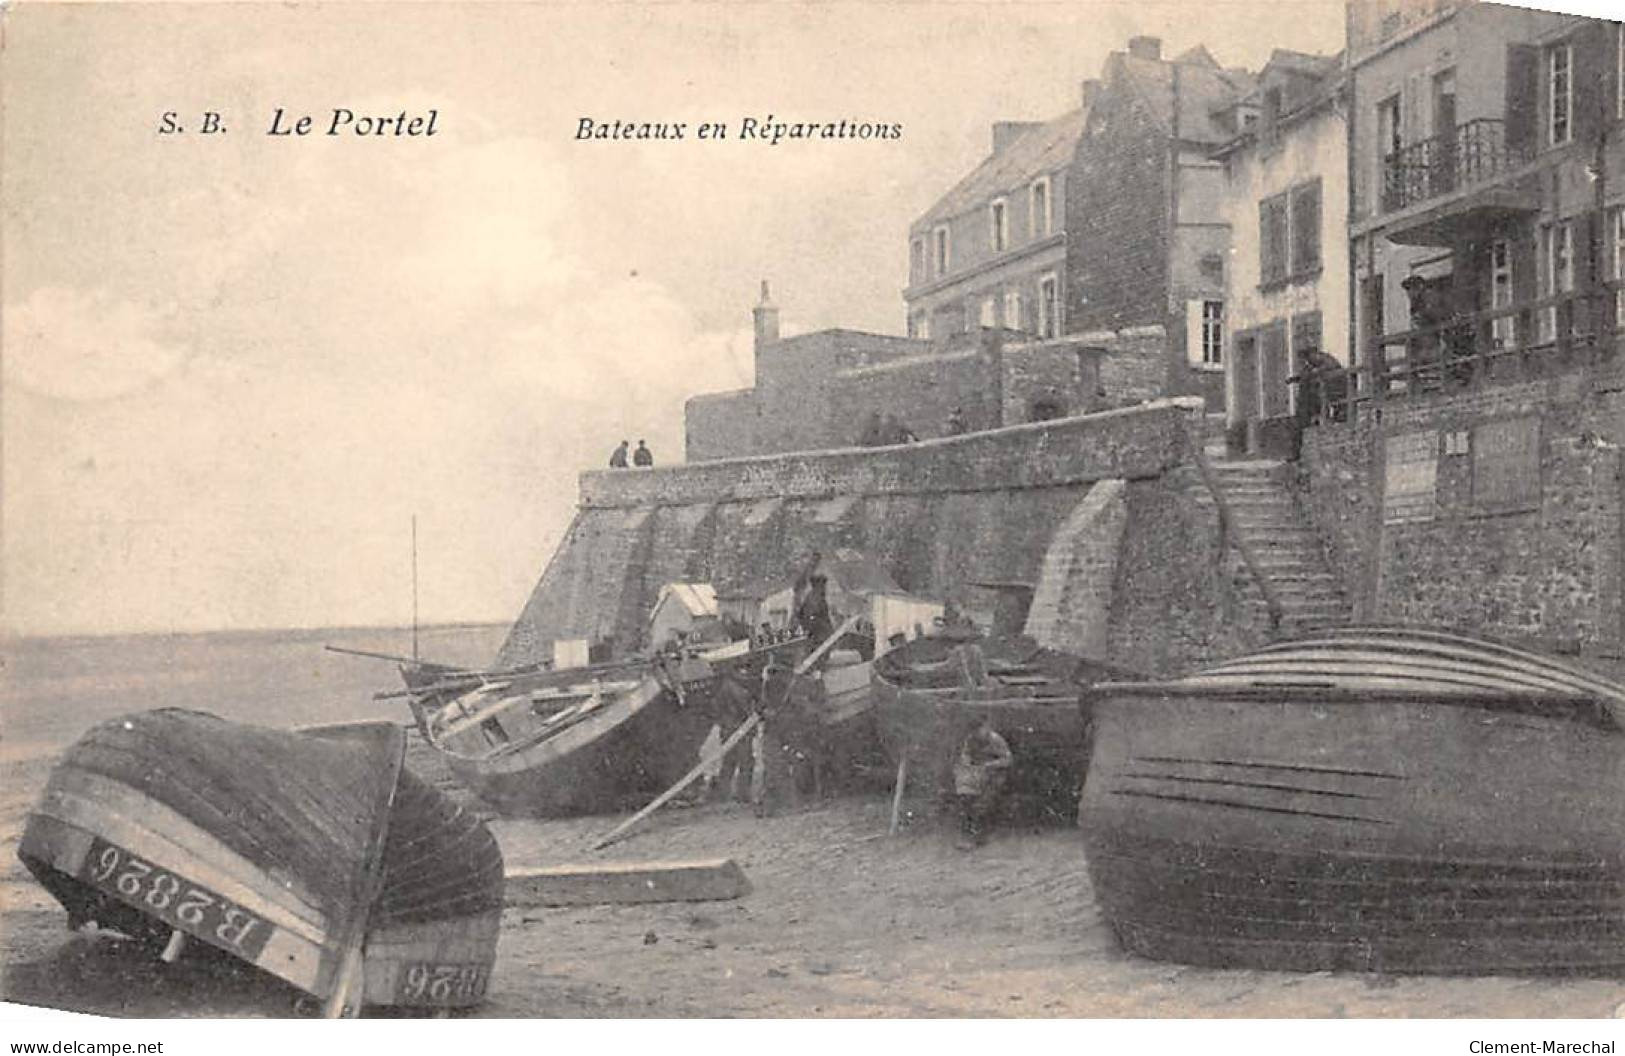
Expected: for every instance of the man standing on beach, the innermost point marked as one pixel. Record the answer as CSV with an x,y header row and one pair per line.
x,y
979,778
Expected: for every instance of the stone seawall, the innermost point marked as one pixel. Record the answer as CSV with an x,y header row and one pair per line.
x,y
1500,510
941,516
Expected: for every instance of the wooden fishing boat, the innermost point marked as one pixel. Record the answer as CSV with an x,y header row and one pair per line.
x,y
312,855
586,740
1375,799
930,692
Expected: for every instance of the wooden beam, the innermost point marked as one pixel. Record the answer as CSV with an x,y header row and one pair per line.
x,y
897,793
683,782
625,882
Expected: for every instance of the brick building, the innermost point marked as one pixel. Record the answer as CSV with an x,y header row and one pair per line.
x,y
1287,287
1147,237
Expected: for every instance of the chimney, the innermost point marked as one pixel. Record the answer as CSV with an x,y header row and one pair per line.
x,y
1007,132
1270,116
1145,47
1091,92
766,315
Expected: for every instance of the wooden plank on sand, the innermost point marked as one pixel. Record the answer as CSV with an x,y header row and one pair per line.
x,y
711,880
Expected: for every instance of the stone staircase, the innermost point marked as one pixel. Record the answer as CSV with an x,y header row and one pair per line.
x,y
1288,551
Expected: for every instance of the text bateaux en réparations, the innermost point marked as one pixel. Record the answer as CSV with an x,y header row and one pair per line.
x,y
767,130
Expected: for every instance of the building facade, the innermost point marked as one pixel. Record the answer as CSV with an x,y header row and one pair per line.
x,y
1147,235
1287,286
991,253
1487,180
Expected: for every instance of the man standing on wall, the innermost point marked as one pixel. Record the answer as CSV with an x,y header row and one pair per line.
x,y
643,456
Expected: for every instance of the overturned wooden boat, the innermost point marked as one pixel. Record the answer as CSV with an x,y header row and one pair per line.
x,y
930,693
313,855
1375,799
591,739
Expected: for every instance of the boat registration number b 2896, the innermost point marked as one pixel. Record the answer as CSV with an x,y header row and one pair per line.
x,y
174,899
423,983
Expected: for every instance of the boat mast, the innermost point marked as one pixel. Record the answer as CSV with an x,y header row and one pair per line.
x,y
414,587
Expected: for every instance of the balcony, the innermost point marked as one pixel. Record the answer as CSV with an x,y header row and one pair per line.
x,y
1473,153
1569,331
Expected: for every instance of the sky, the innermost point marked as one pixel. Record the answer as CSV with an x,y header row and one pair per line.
x,y
236,366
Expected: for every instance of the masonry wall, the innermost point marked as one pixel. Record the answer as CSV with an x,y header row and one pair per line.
x,y
1057,378
1179,598
1548,572
719,425
1133,363
940,516
1117,217
922,391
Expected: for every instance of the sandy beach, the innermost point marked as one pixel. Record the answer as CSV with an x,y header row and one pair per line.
x,y
842,921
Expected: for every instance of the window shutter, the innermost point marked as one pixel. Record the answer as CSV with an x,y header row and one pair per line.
x,y
1592,74
1306,228
1272,239
1524,110
1193,332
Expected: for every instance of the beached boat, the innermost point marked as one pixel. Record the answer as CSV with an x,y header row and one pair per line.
x,y
591,739
313,855
1373,799
932,691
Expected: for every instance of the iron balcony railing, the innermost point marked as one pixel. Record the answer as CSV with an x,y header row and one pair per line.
x,y
1471,153
1524,341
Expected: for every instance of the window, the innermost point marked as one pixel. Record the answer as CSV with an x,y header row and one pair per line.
x,y
1040,208
1012,310
941,237
986,316
1306,228
916,260
999,222
1557,276
1213,333
1559,94
1204,333
917,326
1390,141
1272,239
1619,266
1289,235
1049,307
1504,329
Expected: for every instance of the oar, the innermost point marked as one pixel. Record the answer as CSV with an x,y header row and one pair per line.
x,y
733,738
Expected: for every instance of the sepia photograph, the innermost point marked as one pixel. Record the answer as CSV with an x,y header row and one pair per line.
x,y
1037,511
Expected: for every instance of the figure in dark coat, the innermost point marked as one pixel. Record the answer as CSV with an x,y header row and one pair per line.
x,y
643,456
617,460
812,613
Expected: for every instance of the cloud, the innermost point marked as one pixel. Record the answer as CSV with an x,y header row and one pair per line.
x,y
73,345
